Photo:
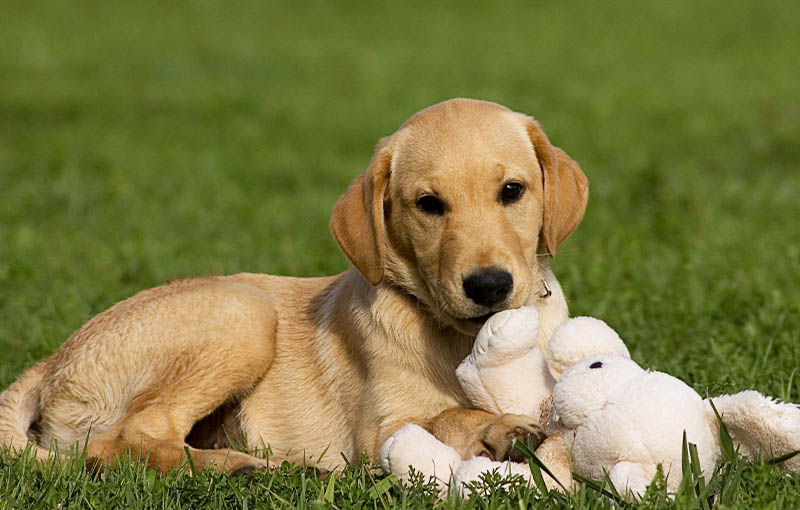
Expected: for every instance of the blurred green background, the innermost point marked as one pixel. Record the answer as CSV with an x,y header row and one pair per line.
x,y
142,141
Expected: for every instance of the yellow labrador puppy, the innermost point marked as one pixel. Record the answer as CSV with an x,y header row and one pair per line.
x,y
455,219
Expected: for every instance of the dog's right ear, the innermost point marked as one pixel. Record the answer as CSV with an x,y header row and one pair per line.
x,y
357,221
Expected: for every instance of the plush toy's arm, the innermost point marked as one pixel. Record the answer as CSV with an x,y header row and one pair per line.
x,y
761,426
506,372
413,446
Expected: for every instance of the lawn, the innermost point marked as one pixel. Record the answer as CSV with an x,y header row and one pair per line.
x,y
143,141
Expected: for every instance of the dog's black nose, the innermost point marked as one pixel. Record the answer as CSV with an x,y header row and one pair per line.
x,y
488,287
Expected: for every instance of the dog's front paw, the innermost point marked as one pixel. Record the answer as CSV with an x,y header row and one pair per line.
x,y
496,440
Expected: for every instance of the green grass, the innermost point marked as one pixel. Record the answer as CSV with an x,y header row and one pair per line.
x,y
142,141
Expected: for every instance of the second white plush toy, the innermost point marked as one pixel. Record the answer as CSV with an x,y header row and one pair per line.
x,y
605,414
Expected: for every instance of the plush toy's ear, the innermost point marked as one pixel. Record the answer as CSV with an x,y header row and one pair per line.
x,y
566,189
357,221
761,426
578,338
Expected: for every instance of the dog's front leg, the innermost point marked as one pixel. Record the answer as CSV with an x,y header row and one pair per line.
x,y
472,432
438,450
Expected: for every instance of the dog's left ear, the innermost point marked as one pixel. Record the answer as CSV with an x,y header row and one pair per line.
x,y
357,221
566,189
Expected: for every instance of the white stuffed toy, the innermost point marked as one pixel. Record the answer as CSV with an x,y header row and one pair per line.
x,y
602,412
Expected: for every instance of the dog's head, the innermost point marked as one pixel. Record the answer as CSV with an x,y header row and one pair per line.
x,y
457,206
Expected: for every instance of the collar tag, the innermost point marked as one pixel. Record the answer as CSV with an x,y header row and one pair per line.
x,y
547,292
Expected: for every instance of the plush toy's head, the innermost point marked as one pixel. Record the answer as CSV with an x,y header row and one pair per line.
x,y
578,338
626,420
586,386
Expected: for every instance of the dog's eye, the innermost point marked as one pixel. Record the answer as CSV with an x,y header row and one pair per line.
x,y
429,204
596,364
511,192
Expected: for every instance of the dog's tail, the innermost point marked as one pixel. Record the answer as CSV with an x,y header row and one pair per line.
x,y
19,409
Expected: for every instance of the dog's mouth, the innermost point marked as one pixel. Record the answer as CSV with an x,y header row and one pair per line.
x,y
480,320
471,325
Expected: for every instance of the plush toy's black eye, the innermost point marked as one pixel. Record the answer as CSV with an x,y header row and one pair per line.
x,y
596,364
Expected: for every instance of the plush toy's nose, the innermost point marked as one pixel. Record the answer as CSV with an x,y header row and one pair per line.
x,y
487,287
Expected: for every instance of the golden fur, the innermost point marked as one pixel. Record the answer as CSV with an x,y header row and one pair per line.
x,y
316,367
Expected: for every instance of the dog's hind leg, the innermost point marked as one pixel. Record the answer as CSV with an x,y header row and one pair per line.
x,y
152,434
211,352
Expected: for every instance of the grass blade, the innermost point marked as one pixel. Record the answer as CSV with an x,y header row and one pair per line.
x,y
697,475
538,479
329,489
725,438
381,488
687,482
600,488
694,461
783,458
608,483
191,461
684,457
687,486
731,483
533,460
